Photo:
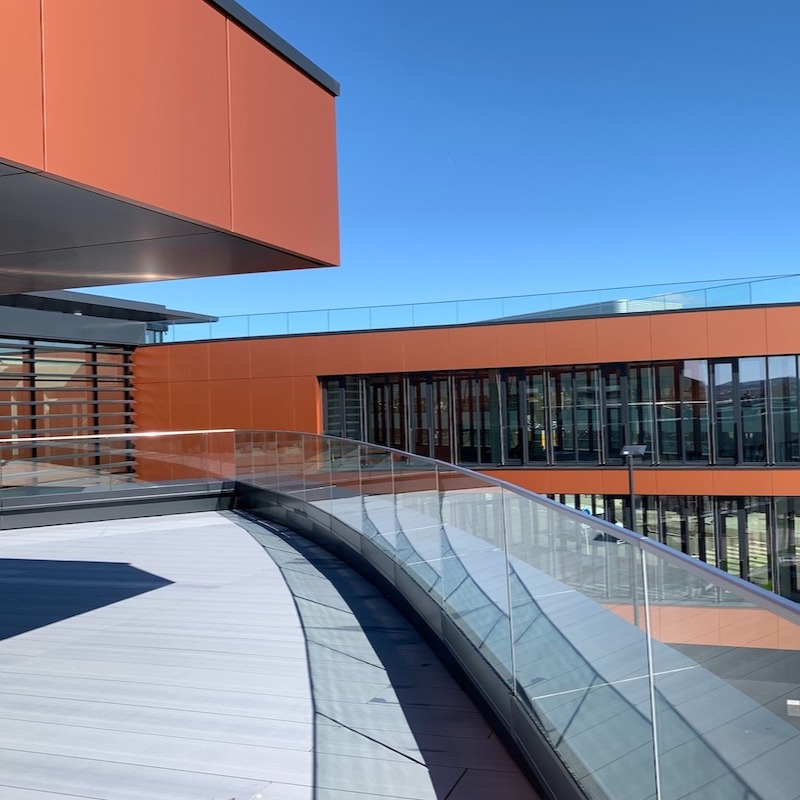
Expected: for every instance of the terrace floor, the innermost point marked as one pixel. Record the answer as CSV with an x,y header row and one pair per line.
x,y
203,656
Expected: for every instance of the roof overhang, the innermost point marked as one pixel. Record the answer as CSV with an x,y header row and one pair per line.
x,y
141,141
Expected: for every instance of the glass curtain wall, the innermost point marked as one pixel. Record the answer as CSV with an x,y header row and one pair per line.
x,y
386,411
755,538
783,395
725,412
536,417
342,407
478,433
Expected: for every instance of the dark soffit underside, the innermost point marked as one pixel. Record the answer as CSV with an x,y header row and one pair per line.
x,y
57,236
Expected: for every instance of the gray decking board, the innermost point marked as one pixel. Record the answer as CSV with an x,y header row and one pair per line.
x,y
187,676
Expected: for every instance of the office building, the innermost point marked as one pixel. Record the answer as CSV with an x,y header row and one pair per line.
x,y
546,403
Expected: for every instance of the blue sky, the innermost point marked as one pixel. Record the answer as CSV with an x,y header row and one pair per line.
x,y
531,146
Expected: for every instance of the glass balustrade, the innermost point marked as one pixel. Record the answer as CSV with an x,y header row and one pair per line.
x,y
562,305
650,673
73,467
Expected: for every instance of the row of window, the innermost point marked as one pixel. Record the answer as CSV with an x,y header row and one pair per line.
x,y
722,411
754,538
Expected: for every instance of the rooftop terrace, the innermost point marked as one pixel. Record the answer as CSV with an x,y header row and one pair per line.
x,y
205,656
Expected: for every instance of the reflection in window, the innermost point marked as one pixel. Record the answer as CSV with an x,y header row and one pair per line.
x,y
561,403
386,424
640,407
759,567
478,419
587,415
576,414
668,412
513,440
728,526
440,407
536,417
694,410
783,396
786,547
419,410
753,410
615,414
725,418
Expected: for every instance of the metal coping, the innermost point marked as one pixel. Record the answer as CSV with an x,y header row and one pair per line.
x,y
280,45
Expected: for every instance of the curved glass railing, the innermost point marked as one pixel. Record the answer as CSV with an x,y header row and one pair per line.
x,y
560,305
650,673
75,467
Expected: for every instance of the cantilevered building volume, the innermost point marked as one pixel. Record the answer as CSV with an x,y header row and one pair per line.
x,y
143,140
547,402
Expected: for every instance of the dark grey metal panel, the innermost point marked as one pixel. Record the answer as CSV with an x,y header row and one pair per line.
x,y
57,236
178,257
42,214
280,45
26,323
96,506
7,169
550,773
99,306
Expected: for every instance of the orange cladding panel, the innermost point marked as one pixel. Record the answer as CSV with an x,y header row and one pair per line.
x,y
229,360
230,404
675,336
425,349
21,129
189,362
473,347
739,332
283,153
339,355
785,482
150,365
304,355
383,352
571,342
783,325
136,102
624,338
268,357
521,345
524,478
742,482
307,405
273,403
678,481
189,406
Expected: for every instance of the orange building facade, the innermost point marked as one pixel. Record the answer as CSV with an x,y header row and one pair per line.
x,y
547,405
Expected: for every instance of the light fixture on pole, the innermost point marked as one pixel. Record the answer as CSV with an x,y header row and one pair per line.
x,y
629,451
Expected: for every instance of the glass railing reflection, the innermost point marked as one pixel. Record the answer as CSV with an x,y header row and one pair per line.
x,y
652,674
57,466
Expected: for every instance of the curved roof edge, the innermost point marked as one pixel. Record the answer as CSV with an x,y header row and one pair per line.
x,y
280,45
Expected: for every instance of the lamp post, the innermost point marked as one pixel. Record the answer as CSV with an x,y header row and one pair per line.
x,y
629,451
